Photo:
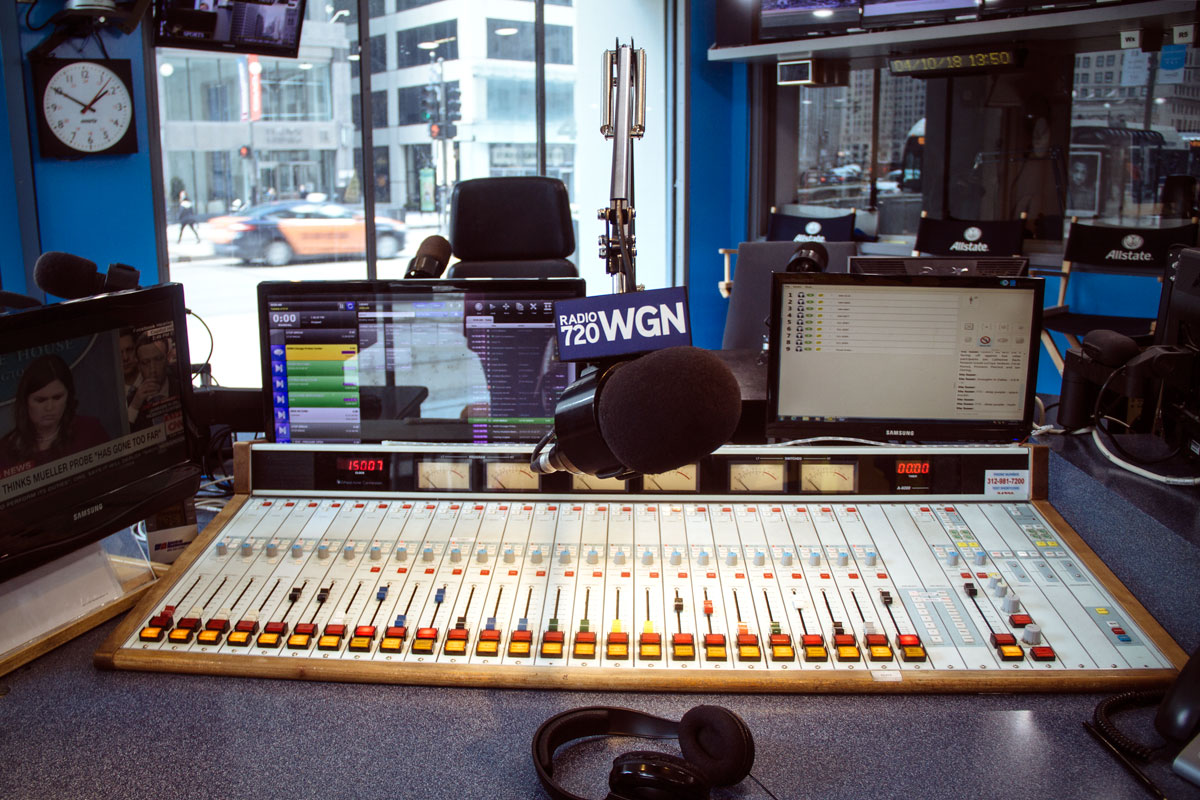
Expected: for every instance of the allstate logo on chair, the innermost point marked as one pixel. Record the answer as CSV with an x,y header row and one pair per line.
x,y
970,242
1132,252
812,233
622,324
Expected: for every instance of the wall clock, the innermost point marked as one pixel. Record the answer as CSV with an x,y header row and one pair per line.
x,y
84,107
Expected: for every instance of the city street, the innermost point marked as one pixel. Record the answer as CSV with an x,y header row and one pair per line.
x,y
223,291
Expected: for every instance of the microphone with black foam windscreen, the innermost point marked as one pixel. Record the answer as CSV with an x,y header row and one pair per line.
x,y
648,415
71,276
1100,352
431,259
808,257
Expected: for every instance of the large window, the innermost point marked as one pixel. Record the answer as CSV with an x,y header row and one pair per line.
x,y
514,40
242,135
1092,136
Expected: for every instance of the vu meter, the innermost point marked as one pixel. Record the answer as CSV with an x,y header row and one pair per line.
x,y
827,478
762,476
444,475
510,476
590,483
682,479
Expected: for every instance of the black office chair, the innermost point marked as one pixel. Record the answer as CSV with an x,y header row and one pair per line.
x,y
750,289
969,237
1113,251
792,228
517,227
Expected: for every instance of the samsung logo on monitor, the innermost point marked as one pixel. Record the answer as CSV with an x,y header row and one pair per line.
x,y
87,512
900,433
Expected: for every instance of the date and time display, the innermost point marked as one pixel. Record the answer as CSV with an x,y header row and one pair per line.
x,y
956,61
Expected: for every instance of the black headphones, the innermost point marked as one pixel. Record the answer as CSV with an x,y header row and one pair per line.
x,y
717,747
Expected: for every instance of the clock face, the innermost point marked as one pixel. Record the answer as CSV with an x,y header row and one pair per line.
x,y
87,108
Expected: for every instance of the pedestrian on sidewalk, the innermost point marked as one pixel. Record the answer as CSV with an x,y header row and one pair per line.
x,y
187,216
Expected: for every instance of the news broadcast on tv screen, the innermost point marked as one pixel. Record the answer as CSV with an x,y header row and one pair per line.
x,y
77,407
89,404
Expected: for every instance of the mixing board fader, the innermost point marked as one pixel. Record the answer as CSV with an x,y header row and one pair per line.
x,y
636,591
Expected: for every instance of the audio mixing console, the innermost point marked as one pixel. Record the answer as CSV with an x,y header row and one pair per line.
x,y
757,569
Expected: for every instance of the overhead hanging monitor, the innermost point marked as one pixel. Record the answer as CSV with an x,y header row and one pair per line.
x,y
262,27
780,19
902,358
887,13
94,425
431,360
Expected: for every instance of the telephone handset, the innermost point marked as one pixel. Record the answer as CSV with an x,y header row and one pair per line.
x,y
1178,717
1177,721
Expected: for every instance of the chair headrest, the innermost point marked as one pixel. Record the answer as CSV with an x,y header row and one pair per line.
x,y
511,219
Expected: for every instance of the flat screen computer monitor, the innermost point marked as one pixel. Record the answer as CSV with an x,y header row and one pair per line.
x,y
924,359
430,360
94,431
1009,266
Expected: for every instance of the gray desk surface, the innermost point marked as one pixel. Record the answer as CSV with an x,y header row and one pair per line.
x,y
68,730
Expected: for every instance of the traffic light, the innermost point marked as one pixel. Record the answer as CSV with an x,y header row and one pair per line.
x,y
244,151
435,130
449,130
453,102
429,103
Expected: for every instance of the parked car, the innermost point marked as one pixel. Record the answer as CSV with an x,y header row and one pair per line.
x,y
290,230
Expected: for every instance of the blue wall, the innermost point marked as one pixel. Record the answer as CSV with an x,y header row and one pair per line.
x,y
101,207
718,164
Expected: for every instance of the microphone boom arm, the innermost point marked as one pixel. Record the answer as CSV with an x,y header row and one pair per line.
x,y
623,119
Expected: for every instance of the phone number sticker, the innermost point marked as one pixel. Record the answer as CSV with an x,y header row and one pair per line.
x,y
1006,482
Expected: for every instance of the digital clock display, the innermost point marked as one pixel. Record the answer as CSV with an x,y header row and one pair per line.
x,y
360,464
913,474
976,60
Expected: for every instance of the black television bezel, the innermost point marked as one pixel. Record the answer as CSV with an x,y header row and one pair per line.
x,y
248,48
912,17
882,429
798,24
577,287
65,523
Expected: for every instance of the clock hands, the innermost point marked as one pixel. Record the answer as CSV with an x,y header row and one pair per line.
x,y
103,91
72,99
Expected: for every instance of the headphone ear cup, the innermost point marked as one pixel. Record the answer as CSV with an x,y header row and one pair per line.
x,y
718,742
653,775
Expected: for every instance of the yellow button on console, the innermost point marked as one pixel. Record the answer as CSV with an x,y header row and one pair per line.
x,y
816,652
848,652
209,637
881,652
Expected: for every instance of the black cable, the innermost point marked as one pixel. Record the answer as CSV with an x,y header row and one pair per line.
x,y
29,11
1102,720
211,342
1097,420
537,448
